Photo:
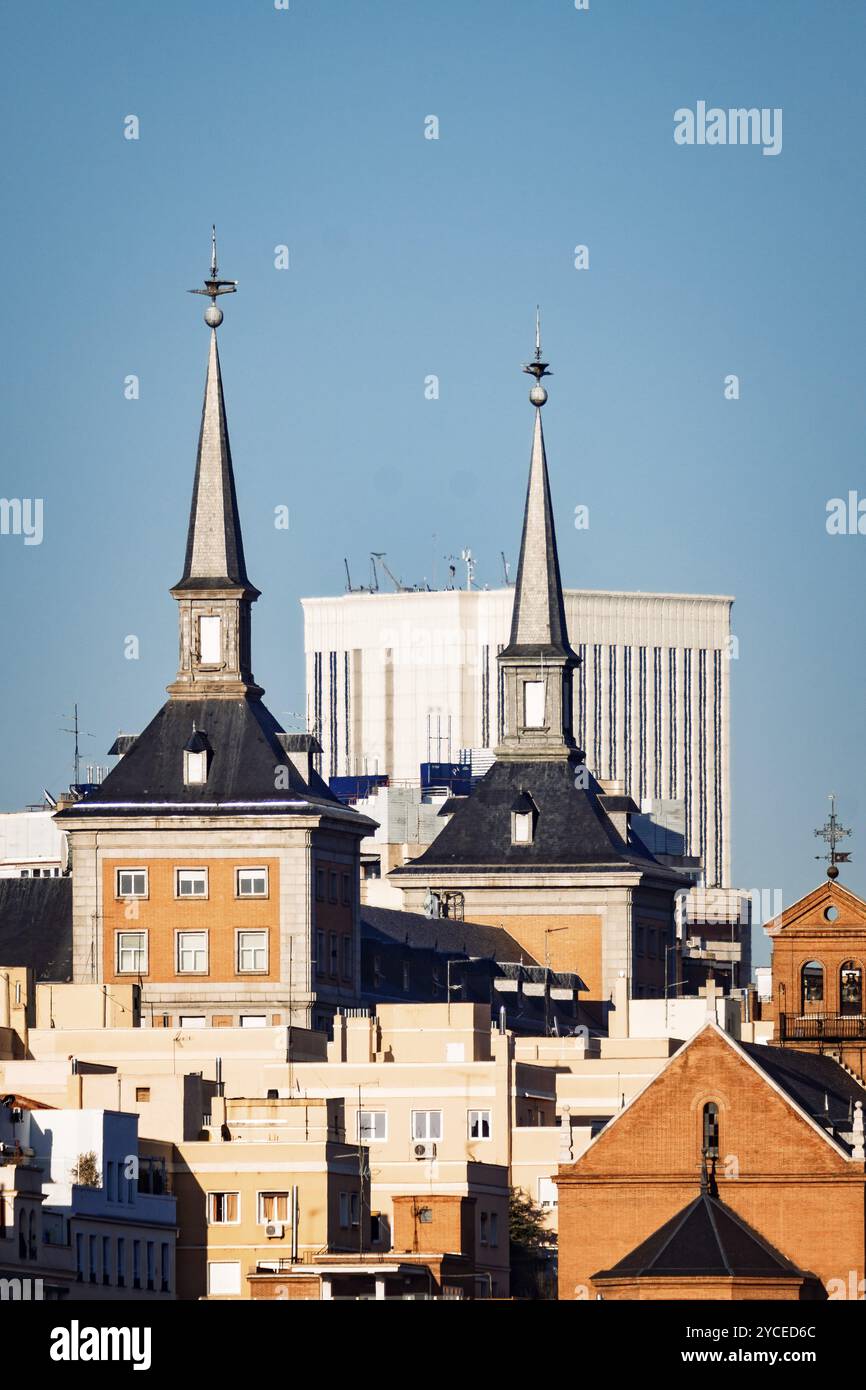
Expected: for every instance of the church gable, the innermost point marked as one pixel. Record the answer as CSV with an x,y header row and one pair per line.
x,y
829,908
663,1130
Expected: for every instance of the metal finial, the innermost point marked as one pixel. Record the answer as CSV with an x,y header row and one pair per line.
x,y
213,286
537,368
833,832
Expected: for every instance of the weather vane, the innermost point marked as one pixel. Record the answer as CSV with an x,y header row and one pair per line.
x,y
537,368
213,286
833,832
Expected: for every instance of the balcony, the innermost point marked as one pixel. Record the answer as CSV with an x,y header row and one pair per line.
x,y
822,1028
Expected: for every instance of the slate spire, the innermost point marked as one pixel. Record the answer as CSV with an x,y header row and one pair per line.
x,y
214,592
538,663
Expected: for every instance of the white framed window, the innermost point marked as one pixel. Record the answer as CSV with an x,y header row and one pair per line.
x,y
210,640
223,1276
131,952
190,883
479,1124
192,1021
192,952
131,883
372,1126
223,1208
195,768
521,828
253,952
533,704
272,1206
254,1020
426,1124
251,883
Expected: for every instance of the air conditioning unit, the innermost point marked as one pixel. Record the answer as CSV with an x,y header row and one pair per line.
x,y
274,1230
424,1150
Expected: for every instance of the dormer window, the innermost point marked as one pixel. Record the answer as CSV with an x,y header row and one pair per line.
x,y
523,817
533,704
210,640
195,759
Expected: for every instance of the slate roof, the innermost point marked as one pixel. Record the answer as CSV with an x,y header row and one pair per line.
x,y
705,1239
816,1083
243,737
36,926
442,934
571,829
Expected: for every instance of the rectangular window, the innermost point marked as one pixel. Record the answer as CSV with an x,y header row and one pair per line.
x,y
494,1228
332,952
136,1264
79,1257
121,1262
165,1267
348,958
106,1259
254,1020
344,1211
191,883
320,885
223,1208
252,883
547,1193
253,952
192,952
354,1208
372,1126
223,1276
332,886
151,1265
533,704
484,1240
426,1124
132,953
192,1021
142,1093
273,1206
479,1124
132,883
347,890
195,768
320,953
91,1253
210,640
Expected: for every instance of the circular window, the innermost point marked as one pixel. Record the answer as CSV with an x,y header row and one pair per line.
x,y
831,913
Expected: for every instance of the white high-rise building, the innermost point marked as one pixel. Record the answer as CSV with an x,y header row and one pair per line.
x,y
397,680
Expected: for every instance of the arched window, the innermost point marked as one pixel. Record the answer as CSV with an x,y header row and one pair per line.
x,y
711,1130
812,983
850,987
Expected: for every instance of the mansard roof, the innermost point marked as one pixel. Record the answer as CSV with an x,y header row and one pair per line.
x,y
572,829
249,772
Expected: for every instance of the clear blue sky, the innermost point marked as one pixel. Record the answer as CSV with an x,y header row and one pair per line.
x,y
411,257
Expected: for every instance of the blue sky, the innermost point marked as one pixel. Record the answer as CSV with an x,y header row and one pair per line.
x,y
410,257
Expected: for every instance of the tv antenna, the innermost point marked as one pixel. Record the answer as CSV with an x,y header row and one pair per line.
x,y
77,733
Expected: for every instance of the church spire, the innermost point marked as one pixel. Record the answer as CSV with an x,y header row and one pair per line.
x,y
214,592
538,663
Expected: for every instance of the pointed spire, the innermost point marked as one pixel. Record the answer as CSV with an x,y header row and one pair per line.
x,y
538,617
214,591
214,547
538,662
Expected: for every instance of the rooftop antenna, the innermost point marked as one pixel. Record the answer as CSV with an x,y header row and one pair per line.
x,y
466,556
77,732
833,832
